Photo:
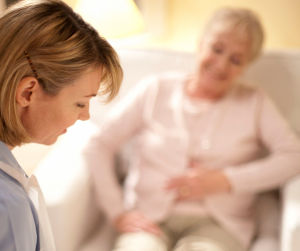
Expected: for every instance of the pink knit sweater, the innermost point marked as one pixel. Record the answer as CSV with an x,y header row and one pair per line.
x,y
245,125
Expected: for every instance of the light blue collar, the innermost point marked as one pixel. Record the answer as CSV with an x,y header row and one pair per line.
x,y
8,158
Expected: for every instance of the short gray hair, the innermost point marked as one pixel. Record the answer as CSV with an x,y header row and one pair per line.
x,y
244,21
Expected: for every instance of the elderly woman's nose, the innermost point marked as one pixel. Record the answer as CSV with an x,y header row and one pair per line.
x,y
222,64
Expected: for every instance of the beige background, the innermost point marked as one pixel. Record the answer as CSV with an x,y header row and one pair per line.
x,y
185,19
179,29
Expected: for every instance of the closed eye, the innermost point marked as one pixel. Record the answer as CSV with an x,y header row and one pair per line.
x,y
80,105
217,50
237,61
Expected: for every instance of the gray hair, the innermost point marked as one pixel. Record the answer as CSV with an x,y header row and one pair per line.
x,y
244,21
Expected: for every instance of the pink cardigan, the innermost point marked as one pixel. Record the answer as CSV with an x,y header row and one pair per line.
x,y
248,124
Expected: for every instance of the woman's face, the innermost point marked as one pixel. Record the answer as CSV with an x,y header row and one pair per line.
x,y
222,58
49,116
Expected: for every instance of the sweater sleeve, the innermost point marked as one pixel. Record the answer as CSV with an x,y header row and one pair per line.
x,y
122,123
282,162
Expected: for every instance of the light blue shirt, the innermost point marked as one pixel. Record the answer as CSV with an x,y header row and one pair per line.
x,y
19,224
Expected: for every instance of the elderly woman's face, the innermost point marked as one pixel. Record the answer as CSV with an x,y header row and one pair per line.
x,y
222,58
49,117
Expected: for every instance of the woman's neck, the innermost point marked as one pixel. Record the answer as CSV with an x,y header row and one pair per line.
x,y
10,147
194,89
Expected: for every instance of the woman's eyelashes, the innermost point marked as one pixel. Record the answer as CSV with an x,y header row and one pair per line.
x,y
217,49
236,61
81,105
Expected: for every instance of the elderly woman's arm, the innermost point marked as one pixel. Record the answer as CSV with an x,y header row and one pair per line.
x,y
264,174
123,122
282,163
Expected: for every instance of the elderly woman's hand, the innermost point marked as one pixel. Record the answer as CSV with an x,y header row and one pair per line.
x,y
199,182
136,222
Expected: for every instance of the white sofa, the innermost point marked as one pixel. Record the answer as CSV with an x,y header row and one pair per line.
x,y
64,178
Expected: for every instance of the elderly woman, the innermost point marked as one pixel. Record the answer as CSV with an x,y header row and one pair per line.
x,y
52,64
197,164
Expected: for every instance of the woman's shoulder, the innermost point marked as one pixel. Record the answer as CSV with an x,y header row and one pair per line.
x,y
163,83
167,78
169,81
247,91
16,215
171,77
11,194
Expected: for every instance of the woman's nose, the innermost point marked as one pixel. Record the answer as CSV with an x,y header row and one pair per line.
x,y
222,65
85,114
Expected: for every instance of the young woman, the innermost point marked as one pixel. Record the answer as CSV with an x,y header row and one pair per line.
x,y
52,64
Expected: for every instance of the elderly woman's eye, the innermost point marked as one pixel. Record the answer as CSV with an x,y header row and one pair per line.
x,y
217,49
236,61
80,105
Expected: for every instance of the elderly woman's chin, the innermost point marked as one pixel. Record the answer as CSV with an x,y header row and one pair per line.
x,y
215,89
213,85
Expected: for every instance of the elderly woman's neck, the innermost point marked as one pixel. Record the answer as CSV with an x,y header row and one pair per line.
x,y
194,89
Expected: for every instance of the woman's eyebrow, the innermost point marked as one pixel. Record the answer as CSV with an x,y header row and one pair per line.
x,y
91,95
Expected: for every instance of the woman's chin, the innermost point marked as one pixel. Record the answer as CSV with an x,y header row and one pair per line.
x,y
46,142
50,140
49,143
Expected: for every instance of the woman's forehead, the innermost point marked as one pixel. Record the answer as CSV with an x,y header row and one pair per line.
x,y
230,29
229,34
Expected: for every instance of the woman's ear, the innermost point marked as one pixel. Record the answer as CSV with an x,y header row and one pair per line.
x,y
25,90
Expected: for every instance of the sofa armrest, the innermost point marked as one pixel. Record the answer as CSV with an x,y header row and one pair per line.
x,y
267,221
290,232
65,182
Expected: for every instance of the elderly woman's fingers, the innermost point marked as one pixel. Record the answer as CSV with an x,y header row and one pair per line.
x,y
176,182
184,193
198,183
191,178
190,193
135,222
148,226
202,184
139,227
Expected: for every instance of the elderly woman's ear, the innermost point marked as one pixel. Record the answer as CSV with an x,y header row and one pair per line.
x,y
27,88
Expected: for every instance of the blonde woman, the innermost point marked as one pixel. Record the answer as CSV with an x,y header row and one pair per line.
x,y
196,165
52,64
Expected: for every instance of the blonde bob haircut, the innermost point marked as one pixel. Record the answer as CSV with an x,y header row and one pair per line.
x,y
243,21
62,47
